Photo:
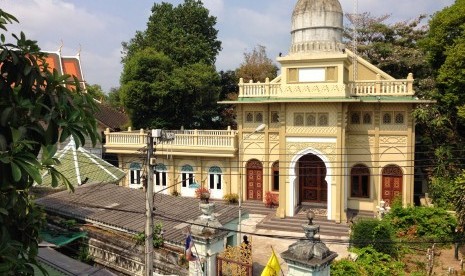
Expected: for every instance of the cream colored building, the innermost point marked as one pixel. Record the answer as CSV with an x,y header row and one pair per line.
x,y
333,138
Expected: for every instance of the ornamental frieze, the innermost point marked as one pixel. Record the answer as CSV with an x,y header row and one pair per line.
x,y
360,140
390,140
328,149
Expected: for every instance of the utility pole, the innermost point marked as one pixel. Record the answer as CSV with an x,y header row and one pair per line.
x,y
149,209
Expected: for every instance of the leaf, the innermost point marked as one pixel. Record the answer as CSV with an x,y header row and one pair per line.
x,y
16,172
4,211
31,170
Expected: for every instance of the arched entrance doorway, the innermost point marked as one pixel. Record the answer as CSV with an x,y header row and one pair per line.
x,y
254,180
313,187
391,183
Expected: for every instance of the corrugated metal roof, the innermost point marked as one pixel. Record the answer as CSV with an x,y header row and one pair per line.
x,y
124,209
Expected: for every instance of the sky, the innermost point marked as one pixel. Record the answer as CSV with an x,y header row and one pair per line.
x,y
96,28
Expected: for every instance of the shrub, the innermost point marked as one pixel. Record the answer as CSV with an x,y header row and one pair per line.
x,y
375,233
344,267
175,193
429,223
231,198
373,262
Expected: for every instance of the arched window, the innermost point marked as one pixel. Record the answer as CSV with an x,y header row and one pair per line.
x,y
187,176
323,119
135,173
298,119
215,178
258,117
249,117
387,118
400,118
367,118
360,181
274,117
355,118
275,175
311,120
160,175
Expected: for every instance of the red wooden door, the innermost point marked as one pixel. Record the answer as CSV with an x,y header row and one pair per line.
x,y
254,180
391,183
312,182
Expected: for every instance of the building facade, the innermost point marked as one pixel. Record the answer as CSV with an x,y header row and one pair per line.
x,y
331,131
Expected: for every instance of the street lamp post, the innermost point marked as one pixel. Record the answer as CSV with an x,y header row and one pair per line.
x,y
239,163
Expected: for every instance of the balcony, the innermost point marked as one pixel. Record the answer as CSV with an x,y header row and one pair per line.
x,y
218,143
378,87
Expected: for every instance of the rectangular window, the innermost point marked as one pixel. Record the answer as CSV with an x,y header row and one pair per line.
x,y
274,117
276,180
135,177
215,181
187,179
160,179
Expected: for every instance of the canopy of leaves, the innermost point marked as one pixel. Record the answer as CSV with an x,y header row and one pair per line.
x,y
257,66
169,79
391,47
38,109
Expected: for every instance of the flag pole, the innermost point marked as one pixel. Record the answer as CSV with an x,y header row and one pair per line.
x,y
272,249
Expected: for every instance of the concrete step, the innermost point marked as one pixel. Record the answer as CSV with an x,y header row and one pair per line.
x,y
294,224
257,207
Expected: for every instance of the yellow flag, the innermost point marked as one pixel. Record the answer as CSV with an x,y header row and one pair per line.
x,y
272,268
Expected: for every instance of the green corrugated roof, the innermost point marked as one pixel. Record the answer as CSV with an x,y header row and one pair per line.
x,y
80,166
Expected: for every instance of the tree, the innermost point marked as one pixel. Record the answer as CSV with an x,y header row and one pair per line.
x,y
229,91
114,98
96,91
445,49
169,78
391,47
37,111
257,66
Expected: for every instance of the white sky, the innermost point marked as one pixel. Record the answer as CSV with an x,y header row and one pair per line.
x,y
99,26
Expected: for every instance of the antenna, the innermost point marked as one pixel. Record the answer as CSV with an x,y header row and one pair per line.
x,y
355,19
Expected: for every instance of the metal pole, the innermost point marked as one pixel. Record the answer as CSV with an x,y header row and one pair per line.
x,y
149,209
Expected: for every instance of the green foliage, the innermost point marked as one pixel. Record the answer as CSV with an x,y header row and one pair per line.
x,y
169,78
37,109
96,91
345,267
231,198
373,262
391,47
375,233
441,190
369,262
257,66
83,254
459,199
426,223
157,237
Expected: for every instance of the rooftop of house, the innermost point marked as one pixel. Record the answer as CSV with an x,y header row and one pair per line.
x,y
123,209
110,117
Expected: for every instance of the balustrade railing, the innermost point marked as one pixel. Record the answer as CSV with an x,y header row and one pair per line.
x,y
378,87
185,138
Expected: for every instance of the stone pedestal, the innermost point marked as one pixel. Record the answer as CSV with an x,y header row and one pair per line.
x,y
310,256
208,240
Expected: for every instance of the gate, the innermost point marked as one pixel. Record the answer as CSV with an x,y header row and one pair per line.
x,y
235,261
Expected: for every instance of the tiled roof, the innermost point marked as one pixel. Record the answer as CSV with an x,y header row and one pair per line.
x,y
124,209
111,118
80,166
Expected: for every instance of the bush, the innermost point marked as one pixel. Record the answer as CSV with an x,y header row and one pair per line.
x,y
375,233
344,267
231,198
428,223
373,262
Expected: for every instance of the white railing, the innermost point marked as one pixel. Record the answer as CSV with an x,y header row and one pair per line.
x,y
202,138
184,138
378,87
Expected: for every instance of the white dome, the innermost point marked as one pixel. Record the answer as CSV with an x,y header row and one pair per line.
x,y
317,26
